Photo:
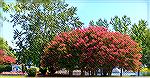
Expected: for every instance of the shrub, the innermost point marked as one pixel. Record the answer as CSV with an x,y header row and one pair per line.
x,y
146,73
8,68
24,68
145,69
31,72
2,68
5,68
43,70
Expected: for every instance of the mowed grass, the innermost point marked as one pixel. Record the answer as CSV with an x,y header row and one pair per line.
x,y
5,76
9,76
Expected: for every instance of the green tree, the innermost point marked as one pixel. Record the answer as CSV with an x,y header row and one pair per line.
x,y
147,48
37,22
119,24
140,33
100,22
4,46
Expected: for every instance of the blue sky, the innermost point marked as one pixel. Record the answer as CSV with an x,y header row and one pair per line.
x,y
93,10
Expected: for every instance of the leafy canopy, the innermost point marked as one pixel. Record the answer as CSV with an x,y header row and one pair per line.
x,y
36,23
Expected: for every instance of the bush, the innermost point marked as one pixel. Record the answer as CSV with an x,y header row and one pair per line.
x,y
43,70
31,72
146,73
24,68
8,68
2,68
145,69
5,68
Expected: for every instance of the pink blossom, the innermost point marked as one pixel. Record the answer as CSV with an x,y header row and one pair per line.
x,y
1,52
63,45
9,59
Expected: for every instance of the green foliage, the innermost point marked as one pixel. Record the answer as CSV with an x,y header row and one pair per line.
x,y
146,48
37,23
2,68
141,34
8,68
4,46
5,6
24,68
121,24
138,31
1,1
36,1
145,69
100,22
5,68
146,73
31,72
43,70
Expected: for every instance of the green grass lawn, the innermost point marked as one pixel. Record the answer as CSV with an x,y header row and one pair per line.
x,y
5,76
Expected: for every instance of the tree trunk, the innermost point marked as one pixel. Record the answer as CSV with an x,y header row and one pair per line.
x,y
92,73
96,71
89,73
138,72
82,72
101,71
70,72
104,72
121,72
110,71
107,71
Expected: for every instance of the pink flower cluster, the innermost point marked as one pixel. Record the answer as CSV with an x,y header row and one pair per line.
x,y
5,59
2,52
9,59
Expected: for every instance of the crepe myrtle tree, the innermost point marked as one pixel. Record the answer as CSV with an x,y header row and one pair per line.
x,y
6,59
137,31
92,48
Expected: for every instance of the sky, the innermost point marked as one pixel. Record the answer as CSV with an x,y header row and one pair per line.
x,y
88,10
105,9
